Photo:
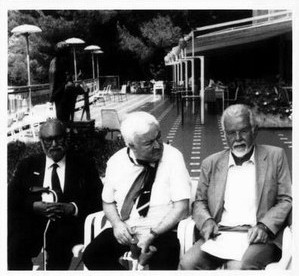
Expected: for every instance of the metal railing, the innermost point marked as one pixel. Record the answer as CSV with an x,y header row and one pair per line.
x,y
18,96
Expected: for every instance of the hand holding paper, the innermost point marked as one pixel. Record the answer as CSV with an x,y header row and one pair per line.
x,y
209,229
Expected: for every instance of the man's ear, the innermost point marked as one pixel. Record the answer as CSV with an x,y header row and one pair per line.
x,y
131,146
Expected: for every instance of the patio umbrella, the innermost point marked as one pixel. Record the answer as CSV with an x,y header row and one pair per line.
x,y
26,30
92,49
74,42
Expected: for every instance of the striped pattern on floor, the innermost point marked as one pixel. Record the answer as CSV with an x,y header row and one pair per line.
x,y
285,140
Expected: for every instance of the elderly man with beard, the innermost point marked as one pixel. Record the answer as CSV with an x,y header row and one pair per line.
x,y
246,189
76,182
146,193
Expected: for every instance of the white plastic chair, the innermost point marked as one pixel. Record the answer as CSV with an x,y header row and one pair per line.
x,y
285,263
123,93
95,223
186,235
158,85
99,96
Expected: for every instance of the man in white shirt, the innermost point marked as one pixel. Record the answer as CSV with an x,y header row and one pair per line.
x,y
244,191
152,222
75,181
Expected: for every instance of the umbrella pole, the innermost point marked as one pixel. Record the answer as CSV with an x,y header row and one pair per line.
x,y
28,72
92,58
75,64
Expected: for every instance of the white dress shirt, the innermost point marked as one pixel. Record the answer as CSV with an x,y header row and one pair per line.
x,y
240,194
172,183
48,197
48,173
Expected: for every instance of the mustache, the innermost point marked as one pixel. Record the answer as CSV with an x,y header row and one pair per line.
x,y
239,144
55,148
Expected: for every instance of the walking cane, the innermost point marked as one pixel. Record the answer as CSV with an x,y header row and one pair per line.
x,y
48,191
134,259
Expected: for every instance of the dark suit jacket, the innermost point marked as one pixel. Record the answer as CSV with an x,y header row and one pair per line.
x,y
273,188
82,186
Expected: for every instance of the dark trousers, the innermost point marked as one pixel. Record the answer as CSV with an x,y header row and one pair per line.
x,y
104,251
65,105
62,111
59,243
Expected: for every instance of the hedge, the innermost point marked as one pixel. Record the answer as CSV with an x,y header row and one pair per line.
x,y
95,146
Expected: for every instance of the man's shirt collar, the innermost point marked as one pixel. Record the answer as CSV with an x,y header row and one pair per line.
x,y
134,160
231,161
50,162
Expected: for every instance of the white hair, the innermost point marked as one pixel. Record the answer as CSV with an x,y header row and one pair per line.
x,y
137,124
237,110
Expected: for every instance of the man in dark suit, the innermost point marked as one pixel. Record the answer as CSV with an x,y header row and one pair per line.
x,y
244,189
78,187
64,91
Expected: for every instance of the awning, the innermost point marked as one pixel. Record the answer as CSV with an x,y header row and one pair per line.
x,y
240,35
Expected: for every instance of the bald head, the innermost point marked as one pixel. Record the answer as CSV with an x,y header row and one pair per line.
x,y
52,125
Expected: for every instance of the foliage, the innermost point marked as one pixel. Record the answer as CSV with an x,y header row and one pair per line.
x,y
41,46
19,150
155,37
161,32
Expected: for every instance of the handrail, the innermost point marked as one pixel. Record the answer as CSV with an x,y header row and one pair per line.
x,y
235,22
35,87
25,88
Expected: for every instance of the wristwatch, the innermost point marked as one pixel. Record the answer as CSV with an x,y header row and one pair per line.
x,y
265,228
154,233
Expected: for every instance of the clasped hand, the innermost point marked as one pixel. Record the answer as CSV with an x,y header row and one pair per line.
x,y
125,235
209,229
53,211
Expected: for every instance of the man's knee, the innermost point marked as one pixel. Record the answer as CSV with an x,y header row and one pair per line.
x,y
250,266
90,256
189,262
186,263
233,265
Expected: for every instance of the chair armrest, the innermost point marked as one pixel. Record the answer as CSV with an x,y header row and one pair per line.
x,y
94,224
286,255
186,234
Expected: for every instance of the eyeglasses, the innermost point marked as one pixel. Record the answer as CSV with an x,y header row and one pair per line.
x,y
151,143
49,140
243,132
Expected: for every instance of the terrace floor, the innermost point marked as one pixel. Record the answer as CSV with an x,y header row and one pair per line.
x,y
195,140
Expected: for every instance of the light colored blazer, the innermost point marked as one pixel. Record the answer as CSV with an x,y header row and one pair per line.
x,y
273,187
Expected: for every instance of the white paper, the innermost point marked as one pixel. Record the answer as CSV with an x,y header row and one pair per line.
x,y
229,245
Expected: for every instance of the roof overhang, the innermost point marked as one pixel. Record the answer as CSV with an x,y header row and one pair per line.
x,y
240,35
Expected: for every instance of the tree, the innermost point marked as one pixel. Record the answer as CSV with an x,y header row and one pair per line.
x,y
41,45
156,37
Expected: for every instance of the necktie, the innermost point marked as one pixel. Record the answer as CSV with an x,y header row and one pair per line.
x,y
145,195
131,196
55,182
145,179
